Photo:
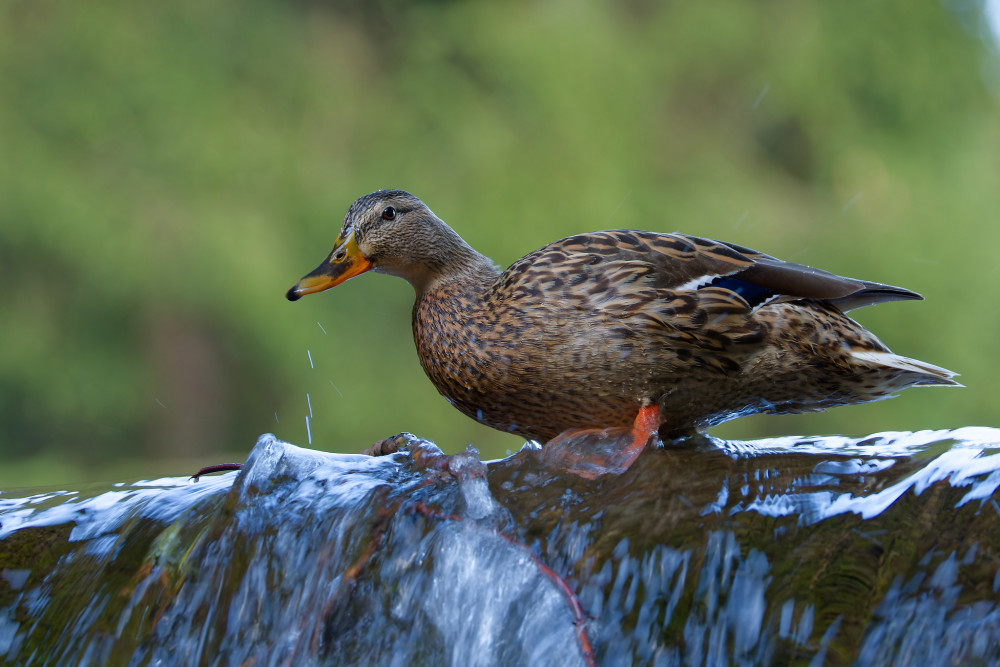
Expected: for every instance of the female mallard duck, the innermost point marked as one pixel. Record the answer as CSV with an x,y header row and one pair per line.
x,y
623,328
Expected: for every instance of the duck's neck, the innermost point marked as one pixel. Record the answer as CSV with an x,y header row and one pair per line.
x,y
441,258
471,275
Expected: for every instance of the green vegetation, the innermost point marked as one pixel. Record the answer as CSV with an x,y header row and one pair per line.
x,y
169,170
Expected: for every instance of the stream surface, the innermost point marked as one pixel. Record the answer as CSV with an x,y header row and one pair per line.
x,y
822,550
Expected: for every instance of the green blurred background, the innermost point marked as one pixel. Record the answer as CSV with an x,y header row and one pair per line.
x,y
168,170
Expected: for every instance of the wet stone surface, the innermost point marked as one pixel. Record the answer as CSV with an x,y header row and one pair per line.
x,y
882,550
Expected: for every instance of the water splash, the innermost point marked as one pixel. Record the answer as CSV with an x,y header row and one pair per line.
x,y
867,550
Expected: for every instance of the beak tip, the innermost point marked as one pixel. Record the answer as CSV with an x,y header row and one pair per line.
x,y
292,294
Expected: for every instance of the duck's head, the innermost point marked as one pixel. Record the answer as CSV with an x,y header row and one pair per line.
x,y
388,231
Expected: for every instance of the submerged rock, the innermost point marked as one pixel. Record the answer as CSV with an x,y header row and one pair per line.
x,y
875,551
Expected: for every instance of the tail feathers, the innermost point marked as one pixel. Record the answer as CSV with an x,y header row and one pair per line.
x,y
928,374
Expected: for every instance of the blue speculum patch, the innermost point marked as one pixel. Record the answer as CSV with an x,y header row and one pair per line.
x,y
754,295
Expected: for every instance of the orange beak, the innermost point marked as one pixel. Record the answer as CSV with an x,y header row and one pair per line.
x,y
346,261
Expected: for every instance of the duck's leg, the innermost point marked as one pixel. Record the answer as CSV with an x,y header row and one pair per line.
x,y
645,426
591,453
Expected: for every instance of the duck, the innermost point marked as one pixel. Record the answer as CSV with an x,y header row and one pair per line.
x,y
645,334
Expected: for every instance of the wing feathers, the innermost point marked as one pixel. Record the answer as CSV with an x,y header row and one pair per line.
x,y
681,282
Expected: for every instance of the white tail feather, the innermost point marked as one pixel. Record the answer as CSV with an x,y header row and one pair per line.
x,y
934,374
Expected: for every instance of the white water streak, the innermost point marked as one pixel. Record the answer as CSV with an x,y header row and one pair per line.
x,y
760,98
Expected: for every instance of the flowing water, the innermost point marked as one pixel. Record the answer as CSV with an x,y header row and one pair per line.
x,y
882,550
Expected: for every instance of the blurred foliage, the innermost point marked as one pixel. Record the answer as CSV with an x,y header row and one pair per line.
x,y
170,169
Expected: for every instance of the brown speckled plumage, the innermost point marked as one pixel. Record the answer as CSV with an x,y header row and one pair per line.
x,y
584,331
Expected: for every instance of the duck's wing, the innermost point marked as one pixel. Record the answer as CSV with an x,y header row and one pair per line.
x,y
789,281
631,261
692,289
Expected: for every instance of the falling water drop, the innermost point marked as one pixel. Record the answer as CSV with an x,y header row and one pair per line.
x,y
852,202
760,98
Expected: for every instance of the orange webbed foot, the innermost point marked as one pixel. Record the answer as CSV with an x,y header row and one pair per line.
x,y
593,452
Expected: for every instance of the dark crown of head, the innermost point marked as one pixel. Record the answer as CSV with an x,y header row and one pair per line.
x,y
402,200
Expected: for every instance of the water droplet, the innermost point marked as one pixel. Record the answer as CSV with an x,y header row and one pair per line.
x,y
760,98
852,202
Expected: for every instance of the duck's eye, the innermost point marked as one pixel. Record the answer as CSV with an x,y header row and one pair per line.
x,y
389,213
